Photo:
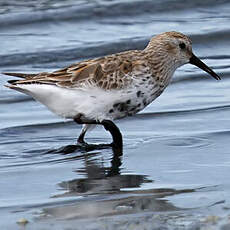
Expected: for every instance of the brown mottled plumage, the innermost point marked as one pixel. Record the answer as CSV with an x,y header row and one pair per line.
x,y
108,72
114,86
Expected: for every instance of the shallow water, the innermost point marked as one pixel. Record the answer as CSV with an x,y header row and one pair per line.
x,y
176,152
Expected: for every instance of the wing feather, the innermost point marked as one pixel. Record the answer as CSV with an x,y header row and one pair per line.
x,y
109,72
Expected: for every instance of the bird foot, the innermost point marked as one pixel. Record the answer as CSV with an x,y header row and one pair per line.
x,y
89,147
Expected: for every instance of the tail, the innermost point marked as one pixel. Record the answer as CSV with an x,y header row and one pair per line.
x,y
13,83
20,75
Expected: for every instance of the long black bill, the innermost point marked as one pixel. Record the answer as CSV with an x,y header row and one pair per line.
x,y
197,62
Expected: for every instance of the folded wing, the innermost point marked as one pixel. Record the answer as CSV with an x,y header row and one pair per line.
x,y
108,73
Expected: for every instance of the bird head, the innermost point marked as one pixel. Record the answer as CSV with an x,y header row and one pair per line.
x,y
177,48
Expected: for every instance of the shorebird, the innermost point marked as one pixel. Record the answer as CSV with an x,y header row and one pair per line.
x,y
101,90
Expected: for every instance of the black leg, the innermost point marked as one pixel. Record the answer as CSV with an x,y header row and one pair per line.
x,y
80,139
117,145
115,132
108,125
80,119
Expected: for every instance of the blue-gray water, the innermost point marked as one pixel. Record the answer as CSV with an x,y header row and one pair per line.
x,y
176,151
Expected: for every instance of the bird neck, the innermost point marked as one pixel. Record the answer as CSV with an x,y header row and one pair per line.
x,y
162,65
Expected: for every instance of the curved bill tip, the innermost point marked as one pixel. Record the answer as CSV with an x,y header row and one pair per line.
x,y
197,62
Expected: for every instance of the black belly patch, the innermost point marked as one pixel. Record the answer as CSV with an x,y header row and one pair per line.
x,y
121,107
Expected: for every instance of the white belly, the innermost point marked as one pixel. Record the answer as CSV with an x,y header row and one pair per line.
x,y
92,102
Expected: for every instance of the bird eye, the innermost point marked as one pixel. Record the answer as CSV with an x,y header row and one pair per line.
x,y
182,45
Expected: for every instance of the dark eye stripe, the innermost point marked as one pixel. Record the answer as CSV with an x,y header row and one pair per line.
x,y
182,45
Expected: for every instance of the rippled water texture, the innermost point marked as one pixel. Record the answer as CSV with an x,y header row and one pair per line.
x,y
176,152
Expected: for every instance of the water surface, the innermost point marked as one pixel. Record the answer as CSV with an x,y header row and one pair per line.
x,y
176,155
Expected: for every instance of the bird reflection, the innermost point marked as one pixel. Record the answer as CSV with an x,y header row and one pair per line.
x,y
114,193
99,178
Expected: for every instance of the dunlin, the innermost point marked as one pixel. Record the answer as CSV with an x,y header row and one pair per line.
x,y
98,91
